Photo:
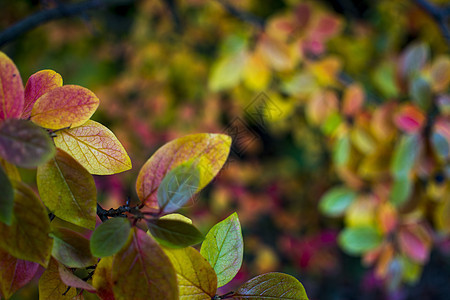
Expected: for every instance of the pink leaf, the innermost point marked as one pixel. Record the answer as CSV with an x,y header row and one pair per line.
x,y
11,89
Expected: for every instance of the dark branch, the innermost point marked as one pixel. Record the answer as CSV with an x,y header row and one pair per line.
x,y
242,15
103,214
59,12
440,16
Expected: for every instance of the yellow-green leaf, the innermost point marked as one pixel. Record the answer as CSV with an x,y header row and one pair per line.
x,y
102,280
208,151
223,248
68,190
51,286
110,236
196,278
27,236
95,147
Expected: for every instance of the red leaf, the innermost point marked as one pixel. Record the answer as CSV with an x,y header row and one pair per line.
x,y
11,87
409,119
415,243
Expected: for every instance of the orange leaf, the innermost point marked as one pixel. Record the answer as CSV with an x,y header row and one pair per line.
x,y
65,106
95,147
11,87
353,99
37,85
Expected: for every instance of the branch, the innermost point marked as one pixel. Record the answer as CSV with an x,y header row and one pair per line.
x,y
59,12
440,16
242,15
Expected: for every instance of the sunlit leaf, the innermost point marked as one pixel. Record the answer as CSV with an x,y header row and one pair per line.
x,y
361,212
71,249
72,280
178,186
65,106
25,144
11,99
404,155
357,240
14,273
110,237
174,233
102,279
51,285
68,190
440,73
256,73
336,201
37,85
272,286
177,217
6,198
208,151
27,236
227,71
95,147
196,279
223,248
133,270
387,217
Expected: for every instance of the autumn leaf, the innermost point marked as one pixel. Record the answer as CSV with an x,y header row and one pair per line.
x,y
65,106
68,190
404,156
223,248
272,286
174,233
25,144
415,242
6,198
37,85
14,273
27,236
133,270
12,96
102,281
72,280
52,287
110,236
95,147
196,278
208,151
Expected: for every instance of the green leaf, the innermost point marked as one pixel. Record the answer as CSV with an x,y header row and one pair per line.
x,y
27,236
6,198
177,187
24,144
110,237
174,233
196,278
341,151
336,201
223,248
401,190
141,270
420,92
68,190
404,156
71,249
414,58
272,286
357,240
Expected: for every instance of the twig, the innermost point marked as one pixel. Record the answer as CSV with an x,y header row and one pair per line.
x,y
439,14
242,15
59,12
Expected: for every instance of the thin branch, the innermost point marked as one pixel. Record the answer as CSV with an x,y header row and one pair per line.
x,y
59,12
242,15
439,14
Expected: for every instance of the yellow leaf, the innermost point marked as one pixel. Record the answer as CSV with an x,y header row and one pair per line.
x,y
227,71
102,280
95,147
51,286
197,280
256,73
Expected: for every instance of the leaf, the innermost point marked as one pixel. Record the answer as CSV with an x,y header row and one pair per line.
x,y
65,106
196,278
415,242
27,236
420,92
336,201
272,286
414,58
110,237
95,147
177,217
11,98
68,190
400,191
37,85
178,186
410,119
51,285
208,151
134,270
341,151
14,273
71,249
174,233
6,199
353,99
25,144
440,73
404,156
223,248
73,281
102,281
10,170
227,71
277,54
357,240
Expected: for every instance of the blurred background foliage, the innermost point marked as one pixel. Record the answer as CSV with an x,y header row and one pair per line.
x,y
339,111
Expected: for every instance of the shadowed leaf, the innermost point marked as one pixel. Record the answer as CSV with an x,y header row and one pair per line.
x,y
11,99
109,237
71,280
174,233
6,198
52,287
